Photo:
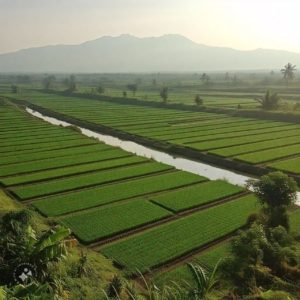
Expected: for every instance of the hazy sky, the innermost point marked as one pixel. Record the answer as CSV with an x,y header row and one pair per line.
x,y
240,24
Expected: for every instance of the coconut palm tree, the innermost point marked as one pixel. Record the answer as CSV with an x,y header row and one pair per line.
x,y
269,100
288,72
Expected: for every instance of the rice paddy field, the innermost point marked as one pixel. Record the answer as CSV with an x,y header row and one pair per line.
x,y
210,258
140,213
258,142
182,88
144,215
187,96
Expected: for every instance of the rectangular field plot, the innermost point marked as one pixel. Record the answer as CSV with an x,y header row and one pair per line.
x,y
22,149
268,155
169,241
196,195
290,165
35,143
105,222
61,204
207,260
86,180
71,170
60,162
295,222
210,136
23,133
53,153
212,132
225,142
217,133
251,147
32,139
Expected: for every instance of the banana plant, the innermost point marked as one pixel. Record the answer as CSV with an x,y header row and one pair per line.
x,y
33,291
50,247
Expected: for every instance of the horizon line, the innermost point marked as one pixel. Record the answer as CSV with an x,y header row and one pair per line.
x,y
146,37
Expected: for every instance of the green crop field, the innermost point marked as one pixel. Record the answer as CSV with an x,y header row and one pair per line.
x,y
211,136
107,221
72,170
228,132
291,165
250,140
232,151
233,141
196,195
143,213
295,222
37,165
22,149
207,260
92,179
61,204
270,154
176,238
50,154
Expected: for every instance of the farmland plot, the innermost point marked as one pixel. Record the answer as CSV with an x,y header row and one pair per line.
x,y
107,221
166,242
241,139
62,204
101,192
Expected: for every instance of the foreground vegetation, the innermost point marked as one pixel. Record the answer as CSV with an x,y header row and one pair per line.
x,y
262,261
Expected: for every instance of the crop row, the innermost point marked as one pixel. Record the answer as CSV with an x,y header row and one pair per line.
x,y
196,195
62,204
38,165
38,144
219,134
70,170
291,165
164,128
207,259
207,145
212,256
251,147
32,140
90,179
270,154
24,149
20,158
210,134
23,133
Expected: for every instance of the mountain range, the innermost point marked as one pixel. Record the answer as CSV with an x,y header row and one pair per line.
x,y
127,53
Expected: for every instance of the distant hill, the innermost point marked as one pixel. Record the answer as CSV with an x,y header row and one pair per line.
x,y
126,53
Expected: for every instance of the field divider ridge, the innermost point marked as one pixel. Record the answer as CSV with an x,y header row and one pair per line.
x,y
176,215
